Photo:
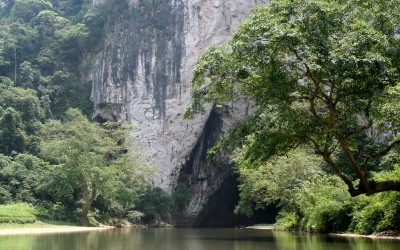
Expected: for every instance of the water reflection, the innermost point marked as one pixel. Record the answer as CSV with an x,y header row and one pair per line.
x,y
193,239
286,240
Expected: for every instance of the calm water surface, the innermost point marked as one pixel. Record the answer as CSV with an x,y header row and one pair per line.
x,y
193,239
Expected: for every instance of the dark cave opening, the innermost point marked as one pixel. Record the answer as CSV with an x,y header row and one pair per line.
x,y
221,183
219,211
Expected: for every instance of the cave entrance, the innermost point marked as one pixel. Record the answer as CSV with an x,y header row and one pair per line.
x,y
219,211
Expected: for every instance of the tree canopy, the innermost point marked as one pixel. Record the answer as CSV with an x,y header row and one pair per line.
x,y
320,73
89,160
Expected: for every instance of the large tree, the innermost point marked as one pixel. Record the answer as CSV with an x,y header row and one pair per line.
x,y
322,73
89,160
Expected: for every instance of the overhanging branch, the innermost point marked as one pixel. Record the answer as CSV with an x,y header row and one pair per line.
x,y
353,162
376,187
360,129
339,172
379,154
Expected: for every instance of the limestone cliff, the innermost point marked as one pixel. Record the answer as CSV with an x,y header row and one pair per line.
x,y
141,77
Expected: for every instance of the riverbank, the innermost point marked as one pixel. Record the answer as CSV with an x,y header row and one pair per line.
x,y
372,236
49,230
261,227
45,228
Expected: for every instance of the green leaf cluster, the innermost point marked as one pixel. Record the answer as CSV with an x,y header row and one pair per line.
x,y
312,199
320,74
89,161
17,213
21,114
42,46
84,167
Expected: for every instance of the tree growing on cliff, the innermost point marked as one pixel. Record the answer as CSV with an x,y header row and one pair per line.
x,y
320,73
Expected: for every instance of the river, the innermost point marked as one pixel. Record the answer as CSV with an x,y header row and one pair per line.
x,y
190,239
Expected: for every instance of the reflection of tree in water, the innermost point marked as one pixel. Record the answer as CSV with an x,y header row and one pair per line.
x,y
193,239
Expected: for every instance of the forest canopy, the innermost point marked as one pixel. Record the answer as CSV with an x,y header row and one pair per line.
x,y
52,155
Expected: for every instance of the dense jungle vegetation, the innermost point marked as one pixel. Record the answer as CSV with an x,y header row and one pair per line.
x,y
55,164
322,142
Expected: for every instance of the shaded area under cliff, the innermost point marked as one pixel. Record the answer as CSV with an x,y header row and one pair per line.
x,y
219,210
213,186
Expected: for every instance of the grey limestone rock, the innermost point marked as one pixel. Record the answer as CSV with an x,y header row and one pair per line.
x,y
141,77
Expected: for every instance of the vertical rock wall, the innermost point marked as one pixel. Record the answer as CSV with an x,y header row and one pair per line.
x,y
141,77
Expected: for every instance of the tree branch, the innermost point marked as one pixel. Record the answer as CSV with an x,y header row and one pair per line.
x,y
314,112
359,129
308,73
353,162
379,154
376,187
327,158
339,172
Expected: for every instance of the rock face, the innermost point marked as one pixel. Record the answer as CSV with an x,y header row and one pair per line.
x,y
142,77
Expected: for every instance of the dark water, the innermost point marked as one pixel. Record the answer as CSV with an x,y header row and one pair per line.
x,y
193,239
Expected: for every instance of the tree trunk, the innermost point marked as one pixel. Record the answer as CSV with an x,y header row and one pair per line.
x,y
376,187
89,198
84,221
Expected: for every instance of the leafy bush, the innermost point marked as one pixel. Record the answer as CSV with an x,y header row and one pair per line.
x,y
313,200
135,216
377,213
154,203
17,213
55,212
180,197
286,220
325,204
5,196
263,182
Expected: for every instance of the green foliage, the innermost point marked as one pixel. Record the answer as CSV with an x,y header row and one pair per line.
x,y
25,176
5,196
29,74
88,161
378,213
72,39
320,73
49,211
40,39
180,197
25,101
20,178
94,20
12,133
154,203
27,9
277,181
287,220
312,199
325,204
20,116
17,213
